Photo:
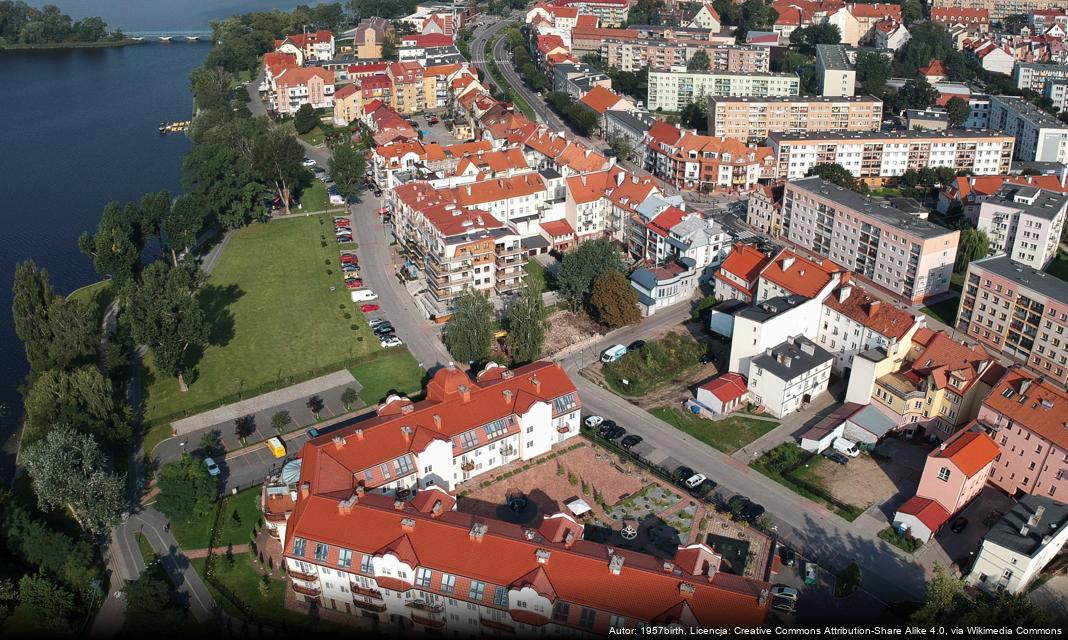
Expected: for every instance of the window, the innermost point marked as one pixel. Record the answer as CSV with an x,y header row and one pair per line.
x,y
385,470
587,618
368,476
365,564
422,577
344,558
448,583
943,474
477,590
501,596
320,551
468,440
299,546
616,621
404,465
564,403
561,610
496,428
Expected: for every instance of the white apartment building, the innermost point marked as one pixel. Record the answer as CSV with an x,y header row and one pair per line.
x,y
673,89
1057,92
789,375
1020,545
1040,136
835,74
854,321
1024,222
752,119
876,156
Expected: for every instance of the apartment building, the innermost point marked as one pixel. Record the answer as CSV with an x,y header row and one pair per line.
x,y
609,13
1057,92
308,47
298,86
897,252
1018,311
1020,545
1024,222
752,119
695,162
854,321
1040,136
1034,76
973,19
635,54
835,74
672,90
878,156
789,375
971,191
408,87
940,387
736,278
369,36
1025,415
764,211
998,10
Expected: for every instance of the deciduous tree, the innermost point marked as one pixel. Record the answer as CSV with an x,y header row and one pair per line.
x,y
68,471
613,301
82,398
470,331
281,421
582,265
166,315
348,166
44,607
958,111
116,246
182,223
527,324
186,489
154,206
699,61
974,245
277,157
305,119
209,86
149,606
837,174
56,332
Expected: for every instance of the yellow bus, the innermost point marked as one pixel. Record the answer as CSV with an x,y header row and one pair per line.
x,y
275,446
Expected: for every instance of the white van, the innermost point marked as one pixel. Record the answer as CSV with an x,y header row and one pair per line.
x,y
364,295
847,447
613,353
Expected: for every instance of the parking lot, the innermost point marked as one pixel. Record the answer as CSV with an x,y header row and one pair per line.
x,y
817,606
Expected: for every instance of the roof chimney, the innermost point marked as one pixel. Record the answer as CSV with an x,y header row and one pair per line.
x,y
569,539
542,555
359,434
686,590
407,432
437,509
507,393
669,566
478,531
338,442
1035,519
615,564
465,392
305,489
408,524
537,383
437,421
787,262
398,504
843,293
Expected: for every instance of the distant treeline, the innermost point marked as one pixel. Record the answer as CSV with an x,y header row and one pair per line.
x,y
22,24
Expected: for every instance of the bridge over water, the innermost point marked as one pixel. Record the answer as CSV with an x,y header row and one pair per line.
x,y
191,35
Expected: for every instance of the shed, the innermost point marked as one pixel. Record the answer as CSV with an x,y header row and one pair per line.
x,y
868,426
723,394
920,518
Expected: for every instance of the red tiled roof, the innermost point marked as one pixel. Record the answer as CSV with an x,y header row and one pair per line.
x,y
1035,405
798,274
952,15
426,40
970,451
586,21
938,356
345,91
933,69
727,387
930,513
744,261
293,76
874,10
557,229
881,317
600,99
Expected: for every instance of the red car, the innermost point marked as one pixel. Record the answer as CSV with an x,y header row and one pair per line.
x,y
383,211
353,284
342,222
367,308
348,258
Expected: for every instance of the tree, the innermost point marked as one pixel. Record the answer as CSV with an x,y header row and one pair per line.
x,y
56,332
44,607
281,421
911,11
209,86
470,331
154,206
305,119
244,426
613,301
182,223
315,404
807,38
699,61
166,315
348,166
950,604
621,147
916,94
873,70
68,470
695,115
582,265
116,246
349,397
277,157
958,110
526,324
211,443
837,174
186,489
149,607
389,47
82,398
224,178
974,245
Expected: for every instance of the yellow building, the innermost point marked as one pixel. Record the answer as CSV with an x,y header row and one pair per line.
x,y
408,88
369,37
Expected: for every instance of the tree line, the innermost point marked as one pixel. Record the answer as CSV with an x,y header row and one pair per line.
x,y
22,24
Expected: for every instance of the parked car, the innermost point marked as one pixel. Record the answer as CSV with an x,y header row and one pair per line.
x,y
784,605
349,258
308,162
613,432
613,353
695,481
637,344
847,447
383,329
312,432
630,441
834,456
811,573
317,170
344,239
374,322
368,308
788,556
213,469
353,284
593,421
275,446
342,222
959,524
391,341
746,509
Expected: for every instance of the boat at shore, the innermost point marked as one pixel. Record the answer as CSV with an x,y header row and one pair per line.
x,y
173,127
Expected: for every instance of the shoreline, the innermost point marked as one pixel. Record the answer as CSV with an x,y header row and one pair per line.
x,y
72,45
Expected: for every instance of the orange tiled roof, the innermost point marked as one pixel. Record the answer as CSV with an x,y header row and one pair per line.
x,y
1043,409
933,69
950,15
451,220
745,261
727,387
587,187
557,228
581,158
600,99
586,21
932,514
943,359
881,317
798,274
346,91
294,76
875,10
277,61
970,451
486,191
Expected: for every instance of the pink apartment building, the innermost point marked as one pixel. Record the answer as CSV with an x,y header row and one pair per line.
x,y
303,85
953,475
1027,417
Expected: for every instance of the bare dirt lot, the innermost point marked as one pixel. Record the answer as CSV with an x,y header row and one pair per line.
x,y
566,329
867,480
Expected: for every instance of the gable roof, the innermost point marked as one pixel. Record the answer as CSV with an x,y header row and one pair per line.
x,y
727,387
971,451
932,514
867,310
1032,403
601,99
951,364
745,261
799,275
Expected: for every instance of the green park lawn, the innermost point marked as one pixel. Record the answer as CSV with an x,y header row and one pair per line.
x,y
727,435
315,198
277,308
394,370
944,311
196,533
98,295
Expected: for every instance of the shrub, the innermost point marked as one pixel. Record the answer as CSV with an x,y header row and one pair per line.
x,y
653,364
572,479
905,542
847,581
559,469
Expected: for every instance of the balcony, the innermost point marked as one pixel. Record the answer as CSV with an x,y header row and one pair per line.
x,y
425,607
306,577
307,591
563,429
357,590
467,466
368,606
435,623
496,625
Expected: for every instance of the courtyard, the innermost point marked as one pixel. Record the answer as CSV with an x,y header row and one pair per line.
x,y
631,508
869,479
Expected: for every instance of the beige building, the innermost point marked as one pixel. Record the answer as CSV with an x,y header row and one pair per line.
x,y
835,74
628,54
1000,8
674,89
752,119
908,257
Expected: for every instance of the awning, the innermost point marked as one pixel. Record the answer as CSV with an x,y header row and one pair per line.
x,y
579,507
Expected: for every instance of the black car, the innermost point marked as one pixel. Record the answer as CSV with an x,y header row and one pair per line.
x,y
682,474
746,509
383,329
959,524
630,441
613,432
834,456
637,344
788,556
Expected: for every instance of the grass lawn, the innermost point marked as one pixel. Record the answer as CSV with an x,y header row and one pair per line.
x,y
727,435
945,311
314,137
1059,266
394,370
98,295
147,554
196,534
785,464
275,321
315,198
